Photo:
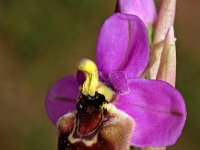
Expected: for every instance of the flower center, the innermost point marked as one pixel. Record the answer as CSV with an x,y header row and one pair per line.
x,y
91,114
90,71
92,84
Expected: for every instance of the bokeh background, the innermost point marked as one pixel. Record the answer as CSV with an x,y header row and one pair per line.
x,y
42,41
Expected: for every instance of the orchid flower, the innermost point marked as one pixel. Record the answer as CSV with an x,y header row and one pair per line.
x,y
108,105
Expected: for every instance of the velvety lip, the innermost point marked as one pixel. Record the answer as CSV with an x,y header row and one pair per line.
x,y
90,135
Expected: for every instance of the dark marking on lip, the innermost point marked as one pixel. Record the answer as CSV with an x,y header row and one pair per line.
x,y
102,144
109,134
90,115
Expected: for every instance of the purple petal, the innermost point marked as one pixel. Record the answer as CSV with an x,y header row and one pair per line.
x,y
61,98
158,110
145,9
80,77
122,46
118,81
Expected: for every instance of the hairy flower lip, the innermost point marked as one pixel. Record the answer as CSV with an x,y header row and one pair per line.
x,y
90,116
90,135
81,146
102,140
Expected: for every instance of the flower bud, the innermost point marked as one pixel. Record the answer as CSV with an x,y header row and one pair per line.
x,y
144,9
165,21
167,68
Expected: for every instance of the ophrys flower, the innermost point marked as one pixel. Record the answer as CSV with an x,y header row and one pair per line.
x,y
113,107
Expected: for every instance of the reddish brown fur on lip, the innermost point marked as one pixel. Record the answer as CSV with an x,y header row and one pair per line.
x,y
114,134
89,122
66,123
65,127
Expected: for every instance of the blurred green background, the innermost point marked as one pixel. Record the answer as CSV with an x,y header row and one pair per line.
x,y
42,41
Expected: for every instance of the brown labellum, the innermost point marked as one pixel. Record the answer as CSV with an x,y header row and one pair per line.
x,y
96,125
